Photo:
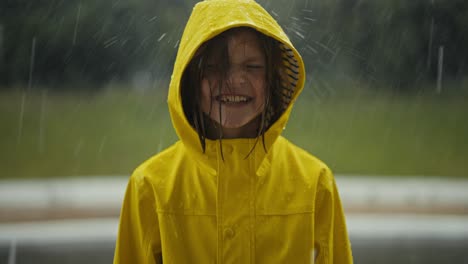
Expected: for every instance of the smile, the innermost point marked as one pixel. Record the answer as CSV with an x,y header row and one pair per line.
x,y
233,99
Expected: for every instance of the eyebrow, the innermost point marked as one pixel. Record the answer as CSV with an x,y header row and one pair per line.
x,y
254,58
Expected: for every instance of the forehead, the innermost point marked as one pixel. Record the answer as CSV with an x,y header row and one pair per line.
x,y
235,45
243,39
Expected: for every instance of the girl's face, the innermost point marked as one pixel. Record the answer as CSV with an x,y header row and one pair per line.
x,y
236,99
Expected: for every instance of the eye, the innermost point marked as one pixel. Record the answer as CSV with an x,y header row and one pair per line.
x,y
255,66
211,68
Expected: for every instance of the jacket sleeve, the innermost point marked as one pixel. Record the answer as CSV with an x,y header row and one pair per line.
x,y
138,239
331,237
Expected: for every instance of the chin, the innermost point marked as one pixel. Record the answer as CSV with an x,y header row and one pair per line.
x,y
233,123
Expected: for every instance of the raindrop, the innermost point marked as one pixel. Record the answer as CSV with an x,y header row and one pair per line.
x,y
12,252
299,34
161,37
440,69
101,146
76,23
310,19
42,121
110,42
115,4
160,145
31,62
308,46
21,118
78,147
325,47
431,37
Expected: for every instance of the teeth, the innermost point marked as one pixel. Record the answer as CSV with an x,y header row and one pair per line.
x,y
233,99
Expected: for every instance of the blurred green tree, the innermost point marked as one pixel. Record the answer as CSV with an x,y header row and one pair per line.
x,y
87,43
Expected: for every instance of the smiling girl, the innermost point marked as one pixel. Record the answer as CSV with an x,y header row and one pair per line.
x,y
232,189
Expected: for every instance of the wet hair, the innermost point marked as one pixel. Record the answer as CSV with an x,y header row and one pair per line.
x,y
217,47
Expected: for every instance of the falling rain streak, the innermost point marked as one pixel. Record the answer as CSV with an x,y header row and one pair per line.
x,y
299,34
76,23
21,117
440,69
78,148
42,124
101,146
310,19
31,63
12,252
431,36
110,42
325,47
1,47
161,37
308,46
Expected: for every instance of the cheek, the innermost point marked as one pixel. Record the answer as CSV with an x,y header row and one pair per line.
x,y
259,87
205,95
205,90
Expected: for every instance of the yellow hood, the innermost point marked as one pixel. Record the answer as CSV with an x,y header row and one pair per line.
x,y
210,18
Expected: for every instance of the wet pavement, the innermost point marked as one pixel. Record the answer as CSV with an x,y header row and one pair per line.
x,y
390,220
374,239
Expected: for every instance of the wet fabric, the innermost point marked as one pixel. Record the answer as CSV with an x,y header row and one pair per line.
x,y
238,206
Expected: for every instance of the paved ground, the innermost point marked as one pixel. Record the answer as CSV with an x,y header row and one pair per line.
x,y
102,196
390,220
361,226
375,238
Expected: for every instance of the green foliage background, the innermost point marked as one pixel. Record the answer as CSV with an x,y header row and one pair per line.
x,y
357,131
83,44
70,105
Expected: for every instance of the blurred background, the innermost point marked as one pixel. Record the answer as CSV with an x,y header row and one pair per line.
x,y
83,88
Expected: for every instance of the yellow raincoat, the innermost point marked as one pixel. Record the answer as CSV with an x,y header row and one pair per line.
x,y
186,206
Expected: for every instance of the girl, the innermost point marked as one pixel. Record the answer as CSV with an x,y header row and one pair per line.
x,y
232,189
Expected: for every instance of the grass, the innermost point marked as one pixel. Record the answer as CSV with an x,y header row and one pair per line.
x,y
69,135
111,132
380,133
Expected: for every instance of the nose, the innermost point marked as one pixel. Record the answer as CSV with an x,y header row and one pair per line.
x,y
236,75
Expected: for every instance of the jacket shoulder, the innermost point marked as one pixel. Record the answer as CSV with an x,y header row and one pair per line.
x,y
296,154
156,165
301,162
